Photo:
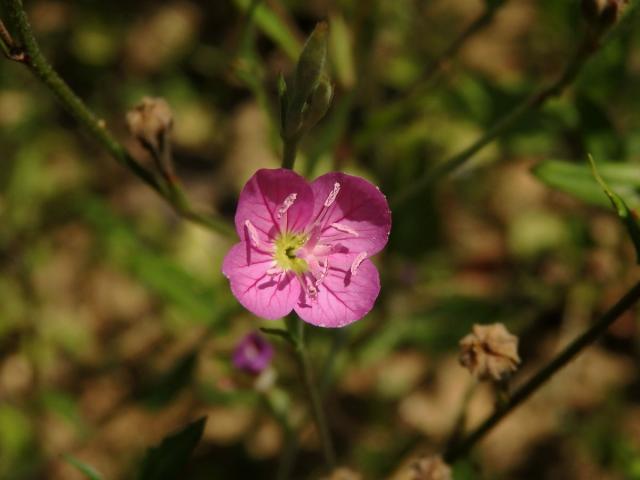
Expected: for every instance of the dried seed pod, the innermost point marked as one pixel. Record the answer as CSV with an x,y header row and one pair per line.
x,y
430,467
150,122
490,352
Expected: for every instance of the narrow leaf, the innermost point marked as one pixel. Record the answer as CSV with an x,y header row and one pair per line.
x,y
626,215
273,27
577,180
82,467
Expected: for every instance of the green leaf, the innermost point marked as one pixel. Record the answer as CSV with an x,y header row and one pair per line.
x,y
123,246
624,213
578,180
168,460
273,27
82,467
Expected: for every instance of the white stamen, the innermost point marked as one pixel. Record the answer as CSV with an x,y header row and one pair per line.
x,y
344,229
357,261
312,291
332,196
323,273
253,233
275,270
286,204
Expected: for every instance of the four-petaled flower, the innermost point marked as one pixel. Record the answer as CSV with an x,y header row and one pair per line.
x,y
306,246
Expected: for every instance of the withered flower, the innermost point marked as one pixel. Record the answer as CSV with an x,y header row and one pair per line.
x,y
490,352
430,467
343,473
150,121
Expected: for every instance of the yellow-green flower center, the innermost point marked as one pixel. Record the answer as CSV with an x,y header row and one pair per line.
x,y
287,245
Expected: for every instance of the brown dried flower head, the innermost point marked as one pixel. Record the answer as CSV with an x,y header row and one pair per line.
x,y
343,473
490,352
430,468
150,122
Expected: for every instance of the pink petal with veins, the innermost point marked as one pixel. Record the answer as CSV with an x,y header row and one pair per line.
x,y
263,197
342,297
267,296
358,219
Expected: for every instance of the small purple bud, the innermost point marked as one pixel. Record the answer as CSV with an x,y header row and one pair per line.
x,y
252,354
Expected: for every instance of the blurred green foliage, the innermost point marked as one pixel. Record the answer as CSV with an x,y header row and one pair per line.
x,y
116,325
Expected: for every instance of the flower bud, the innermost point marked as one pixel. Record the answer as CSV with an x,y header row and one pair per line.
x,y
490,352
610,13
150,122
318,103
308,72
284,100
312,60
252,354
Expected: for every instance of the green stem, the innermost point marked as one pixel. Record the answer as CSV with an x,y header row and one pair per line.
x,y
43,70
6,42
289,153
295,326
590,44
288,455
459,449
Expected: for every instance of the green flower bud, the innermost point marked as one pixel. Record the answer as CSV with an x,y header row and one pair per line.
x,y
318,104
308,72
284,100
312,60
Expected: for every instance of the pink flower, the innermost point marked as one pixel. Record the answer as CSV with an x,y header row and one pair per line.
x,y
306,246
252,354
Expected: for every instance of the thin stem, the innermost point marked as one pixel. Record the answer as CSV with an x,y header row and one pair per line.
x,y
396,108
590,44
461,417
42,69
295,326
6,42
480,22
563,358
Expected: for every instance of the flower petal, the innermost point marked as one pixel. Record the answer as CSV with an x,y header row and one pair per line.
x,y
359,219
342,297
267,296
262,198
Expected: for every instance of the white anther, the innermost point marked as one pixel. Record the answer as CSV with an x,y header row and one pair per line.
x,y
332,196
253,233
286,204
312,291
357,262
323,273
275,270
344,229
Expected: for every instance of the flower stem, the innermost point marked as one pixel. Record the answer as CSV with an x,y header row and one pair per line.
x,y
295,326
459,449
590,44
32,57
289,153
